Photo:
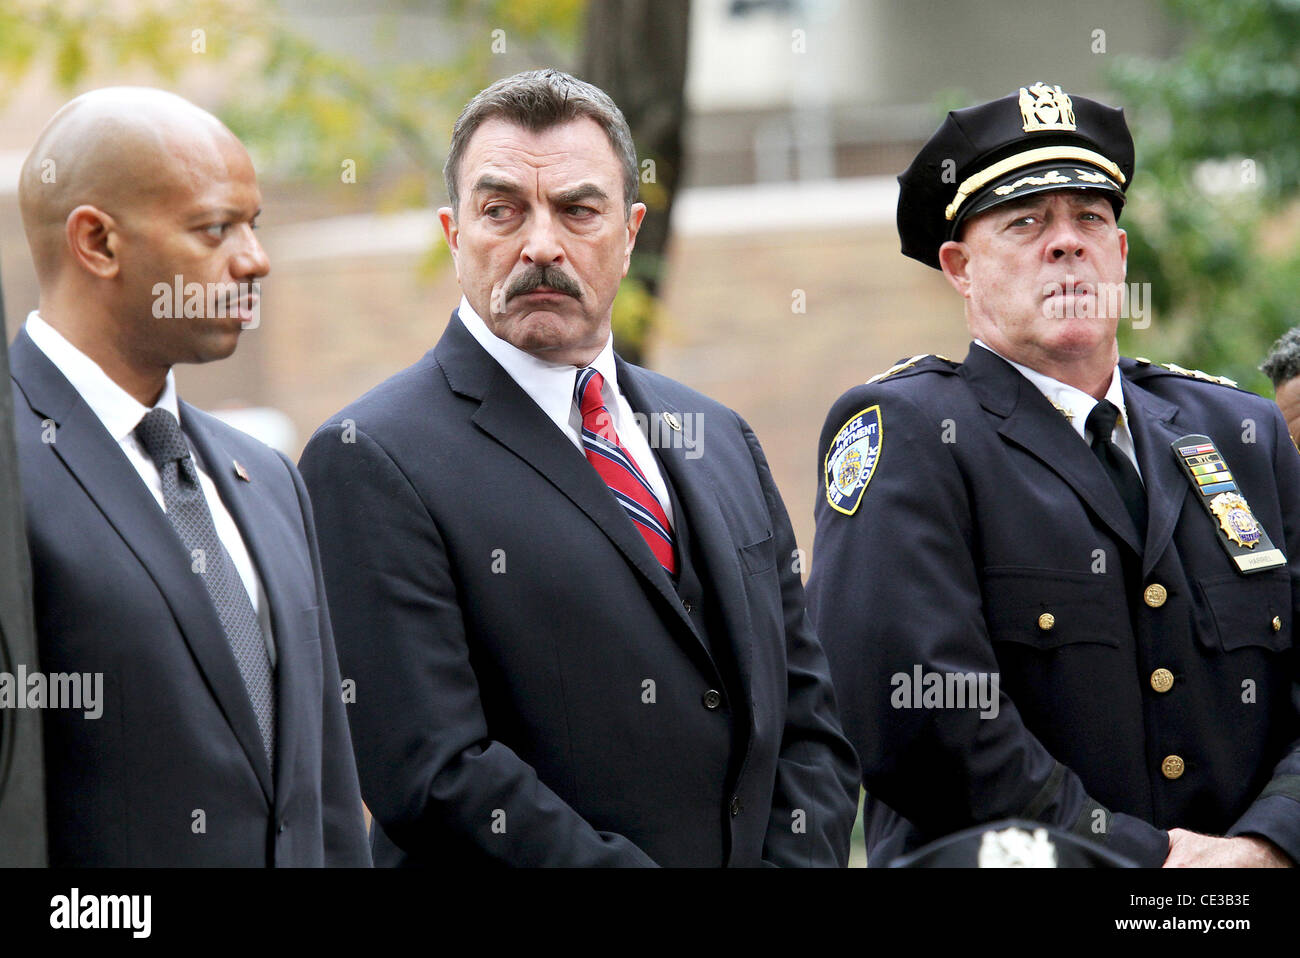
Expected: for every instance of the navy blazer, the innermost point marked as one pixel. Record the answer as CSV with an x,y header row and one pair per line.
x,y
529,688
174,772
989,540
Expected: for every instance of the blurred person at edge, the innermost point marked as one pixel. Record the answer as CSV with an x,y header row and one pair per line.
x,y
1283,367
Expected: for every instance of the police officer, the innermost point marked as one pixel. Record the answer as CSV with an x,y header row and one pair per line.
x,y
1052,583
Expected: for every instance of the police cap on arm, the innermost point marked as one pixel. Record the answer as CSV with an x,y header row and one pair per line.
x,y
1036,140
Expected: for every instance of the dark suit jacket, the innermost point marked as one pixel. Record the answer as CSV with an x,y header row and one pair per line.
x,y
22,775
986,512
529,688
174,772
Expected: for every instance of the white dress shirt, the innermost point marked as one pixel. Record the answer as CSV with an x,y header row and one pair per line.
x,y
120,412
1075,404
551,386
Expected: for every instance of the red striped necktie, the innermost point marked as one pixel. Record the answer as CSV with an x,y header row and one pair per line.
x,y
625,479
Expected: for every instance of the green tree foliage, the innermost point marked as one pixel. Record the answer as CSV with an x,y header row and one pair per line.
x,y
310,113
1211,211
380,111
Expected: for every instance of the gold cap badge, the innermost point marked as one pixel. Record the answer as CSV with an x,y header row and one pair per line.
x,y
1044,107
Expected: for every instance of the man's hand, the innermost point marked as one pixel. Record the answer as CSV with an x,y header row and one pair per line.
x,y
1193,850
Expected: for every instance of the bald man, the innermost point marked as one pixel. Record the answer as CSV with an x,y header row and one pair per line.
x,y
192,710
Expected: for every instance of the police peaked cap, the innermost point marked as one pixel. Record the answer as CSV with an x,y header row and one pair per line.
x,y
1036,140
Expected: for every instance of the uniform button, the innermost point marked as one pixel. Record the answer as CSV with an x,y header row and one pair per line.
x,y
1155,595
687,606
1172,767
735,806
712,699
1277,623
1162,680
1046,621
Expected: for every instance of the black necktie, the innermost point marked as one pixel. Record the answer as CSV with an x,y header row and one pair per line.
x,y
1101,423
161,436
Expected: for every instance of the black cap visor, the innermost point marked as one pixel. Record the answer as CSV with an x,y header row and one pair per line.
x,y
1040,178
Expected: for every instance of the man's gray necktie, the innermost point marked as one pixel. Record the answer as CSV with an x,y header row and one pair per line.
x,y
187,509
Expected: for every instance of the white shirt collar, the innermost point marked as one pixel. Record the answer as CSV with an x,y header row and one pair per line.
x,y
117,409
550,385
1074,404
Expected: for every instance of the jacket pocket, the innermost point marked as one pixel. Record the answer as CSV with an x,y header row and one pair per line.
x,y
758,556
1249,610
1049,608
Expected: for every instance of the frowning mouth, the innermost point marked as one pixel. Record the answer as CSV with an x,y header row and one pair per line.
x,y
1069,287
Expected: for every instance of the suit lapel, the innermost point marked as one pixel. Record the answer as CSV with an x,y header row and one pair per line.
x,y
695,485
510,416
103,471
249,506
1032,423
1151,420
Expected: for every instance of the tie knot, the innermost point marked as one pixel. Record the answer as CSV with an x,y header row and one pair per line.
x,y
586,391
1101,421
160,434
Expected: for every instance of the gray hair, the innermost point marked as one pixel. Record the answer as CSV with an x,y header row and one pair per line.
x,y
538,100
1283,362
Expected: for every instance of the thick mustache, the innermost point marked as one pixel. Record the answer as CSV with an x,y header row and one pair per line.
x,y
551,277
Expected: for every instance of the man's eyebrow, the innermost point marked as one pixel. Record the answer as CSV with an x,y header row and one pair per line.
x,y
494,184
587,191
1024,203
221,212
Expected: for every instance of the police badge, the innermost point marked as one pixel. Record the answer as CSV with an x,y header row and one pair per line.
x,y
1235,516
852,459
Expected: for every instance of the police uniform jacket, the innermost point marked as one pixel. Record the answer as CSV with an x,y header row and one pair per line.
x,y
989,540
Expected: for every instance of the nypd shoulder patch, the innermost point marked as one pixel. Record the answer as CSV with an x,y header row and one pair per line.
x,y
852,459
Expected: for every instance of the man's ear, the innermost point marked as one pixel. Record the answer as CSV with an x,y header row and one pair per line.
x,y
635,216
954,260
1123,250
447,218
94,241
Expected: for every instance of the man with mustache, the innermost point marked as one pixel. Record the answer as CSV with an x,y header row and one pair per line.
x,y
1112,546
174,560
566,587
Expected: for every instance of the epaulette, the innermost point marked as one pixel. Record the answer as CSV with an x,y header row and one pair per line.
x,y
899,366
1193,373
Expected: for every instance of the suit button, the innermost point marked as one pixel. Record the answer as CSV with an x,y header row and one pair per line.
x,y
1162,680
279,830
1155,595
735,806
712,699
1172,767
687,606
1277,623
1046,621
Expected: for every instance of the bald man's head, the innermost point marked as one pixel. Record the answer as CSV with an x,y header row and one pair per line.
x,y
116,149
131,197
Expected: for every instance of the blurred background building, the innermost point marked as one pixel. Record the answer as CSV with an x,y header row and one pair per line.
x,y
782,282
